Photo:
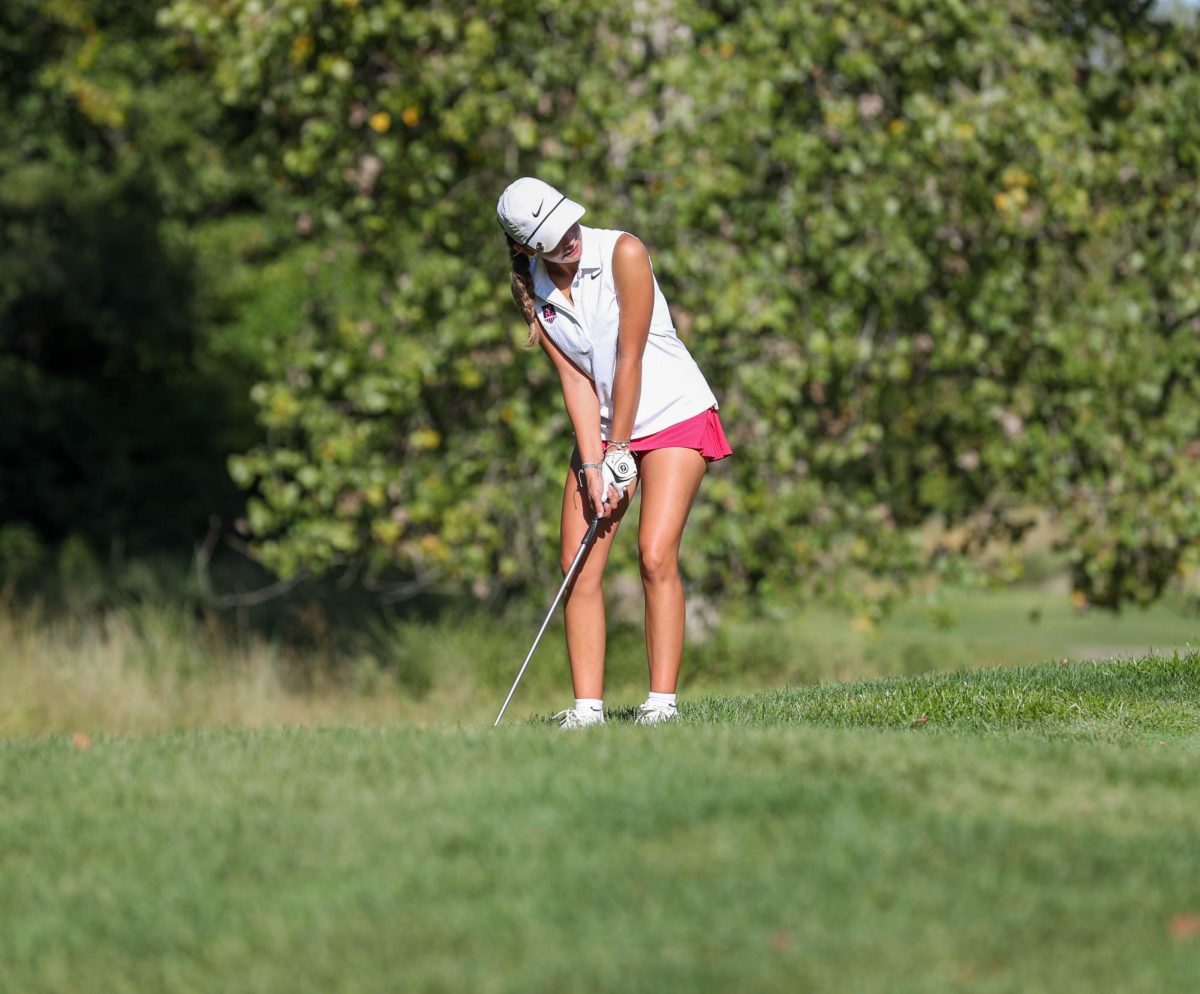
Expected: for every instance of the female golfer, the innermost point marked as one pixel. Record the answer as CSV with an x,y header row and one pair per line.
x,y
591,301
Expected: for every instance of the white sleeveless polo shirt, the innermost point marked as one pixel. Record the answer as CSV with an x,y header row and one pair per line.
x,y
673,388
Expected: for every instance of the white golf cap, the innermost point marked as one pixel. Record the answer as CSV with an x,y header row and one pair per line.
x,y
535,214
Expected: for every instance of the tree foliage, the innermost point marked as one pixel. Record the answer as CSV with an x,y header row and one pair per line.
x,y
939,262
117,420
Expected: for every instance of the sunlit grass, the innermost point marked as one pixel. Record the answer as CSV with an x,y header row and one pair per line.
x,y
1154,696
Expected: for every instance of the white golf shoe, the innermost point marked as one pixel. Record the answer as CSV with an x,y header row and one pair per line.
x,y
579,718
656,714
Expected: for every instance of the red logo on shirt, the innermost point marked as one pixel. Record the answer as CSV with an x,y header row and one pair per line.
x,y
549,313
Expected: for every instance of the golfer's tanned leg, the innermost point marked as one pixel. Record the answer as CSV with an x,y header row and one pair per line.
x,y
584,607
670,479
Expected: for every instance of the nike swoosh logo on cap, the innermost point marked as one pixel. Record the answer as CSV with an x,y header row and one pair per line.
x,y
539,210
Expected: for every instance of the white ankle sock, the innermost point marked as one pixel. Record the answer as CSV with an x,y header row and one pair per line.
x,y
661,700
589,704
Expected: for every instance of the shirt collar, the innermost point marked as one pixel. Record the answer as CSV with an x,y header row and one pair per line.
x,y
543,286
592,260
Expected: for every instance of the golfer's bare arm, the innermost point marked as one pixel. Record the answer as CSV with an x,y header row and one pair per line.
x,y
634,281
583,405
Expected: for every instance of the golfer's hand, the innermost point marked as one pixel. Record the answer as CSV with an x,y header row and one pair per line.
x,y
619,470
603,503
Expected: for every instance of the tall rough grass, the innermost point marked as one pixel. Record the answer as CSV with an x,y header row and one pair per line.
x,y
143,666
151,669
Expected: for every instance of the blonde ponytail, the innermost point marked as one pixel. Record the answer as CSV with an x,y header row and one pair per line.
x,y
522,292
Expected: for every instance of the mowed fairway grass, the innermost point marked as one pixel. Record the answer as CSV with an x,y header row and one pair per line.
x,y
1022,829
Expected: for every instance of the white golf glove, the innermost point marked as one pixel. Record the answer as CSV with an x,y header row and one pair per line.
x,y
618,470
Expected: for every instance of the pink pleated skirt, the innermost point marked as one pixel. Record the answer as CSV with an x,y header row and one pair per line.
x,y
702,433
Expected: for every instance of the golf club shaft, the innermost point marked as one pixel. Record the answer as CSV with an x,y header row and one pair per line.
x,y
583,547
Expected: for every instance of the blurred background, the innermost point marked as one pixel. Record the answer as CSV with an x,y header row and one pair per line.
x,y
272,451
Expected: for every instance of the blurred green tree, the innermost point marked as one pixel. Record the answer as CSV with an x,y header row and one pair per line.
x,y
939,261
116,424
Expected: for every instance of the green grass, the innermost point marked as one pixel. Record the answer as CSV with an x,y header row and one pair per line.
x,y
1037,833
153,667
1160,696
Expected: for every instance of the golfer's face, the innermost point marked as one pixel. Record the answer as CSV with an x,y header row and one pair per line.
x,y
569,249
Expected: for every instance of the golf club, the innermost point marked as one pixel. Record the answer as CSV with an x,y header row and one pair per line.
x,y
583,547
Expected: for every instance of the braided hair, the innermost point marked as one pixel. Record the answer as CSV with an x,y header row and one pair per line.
x,y
522,291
